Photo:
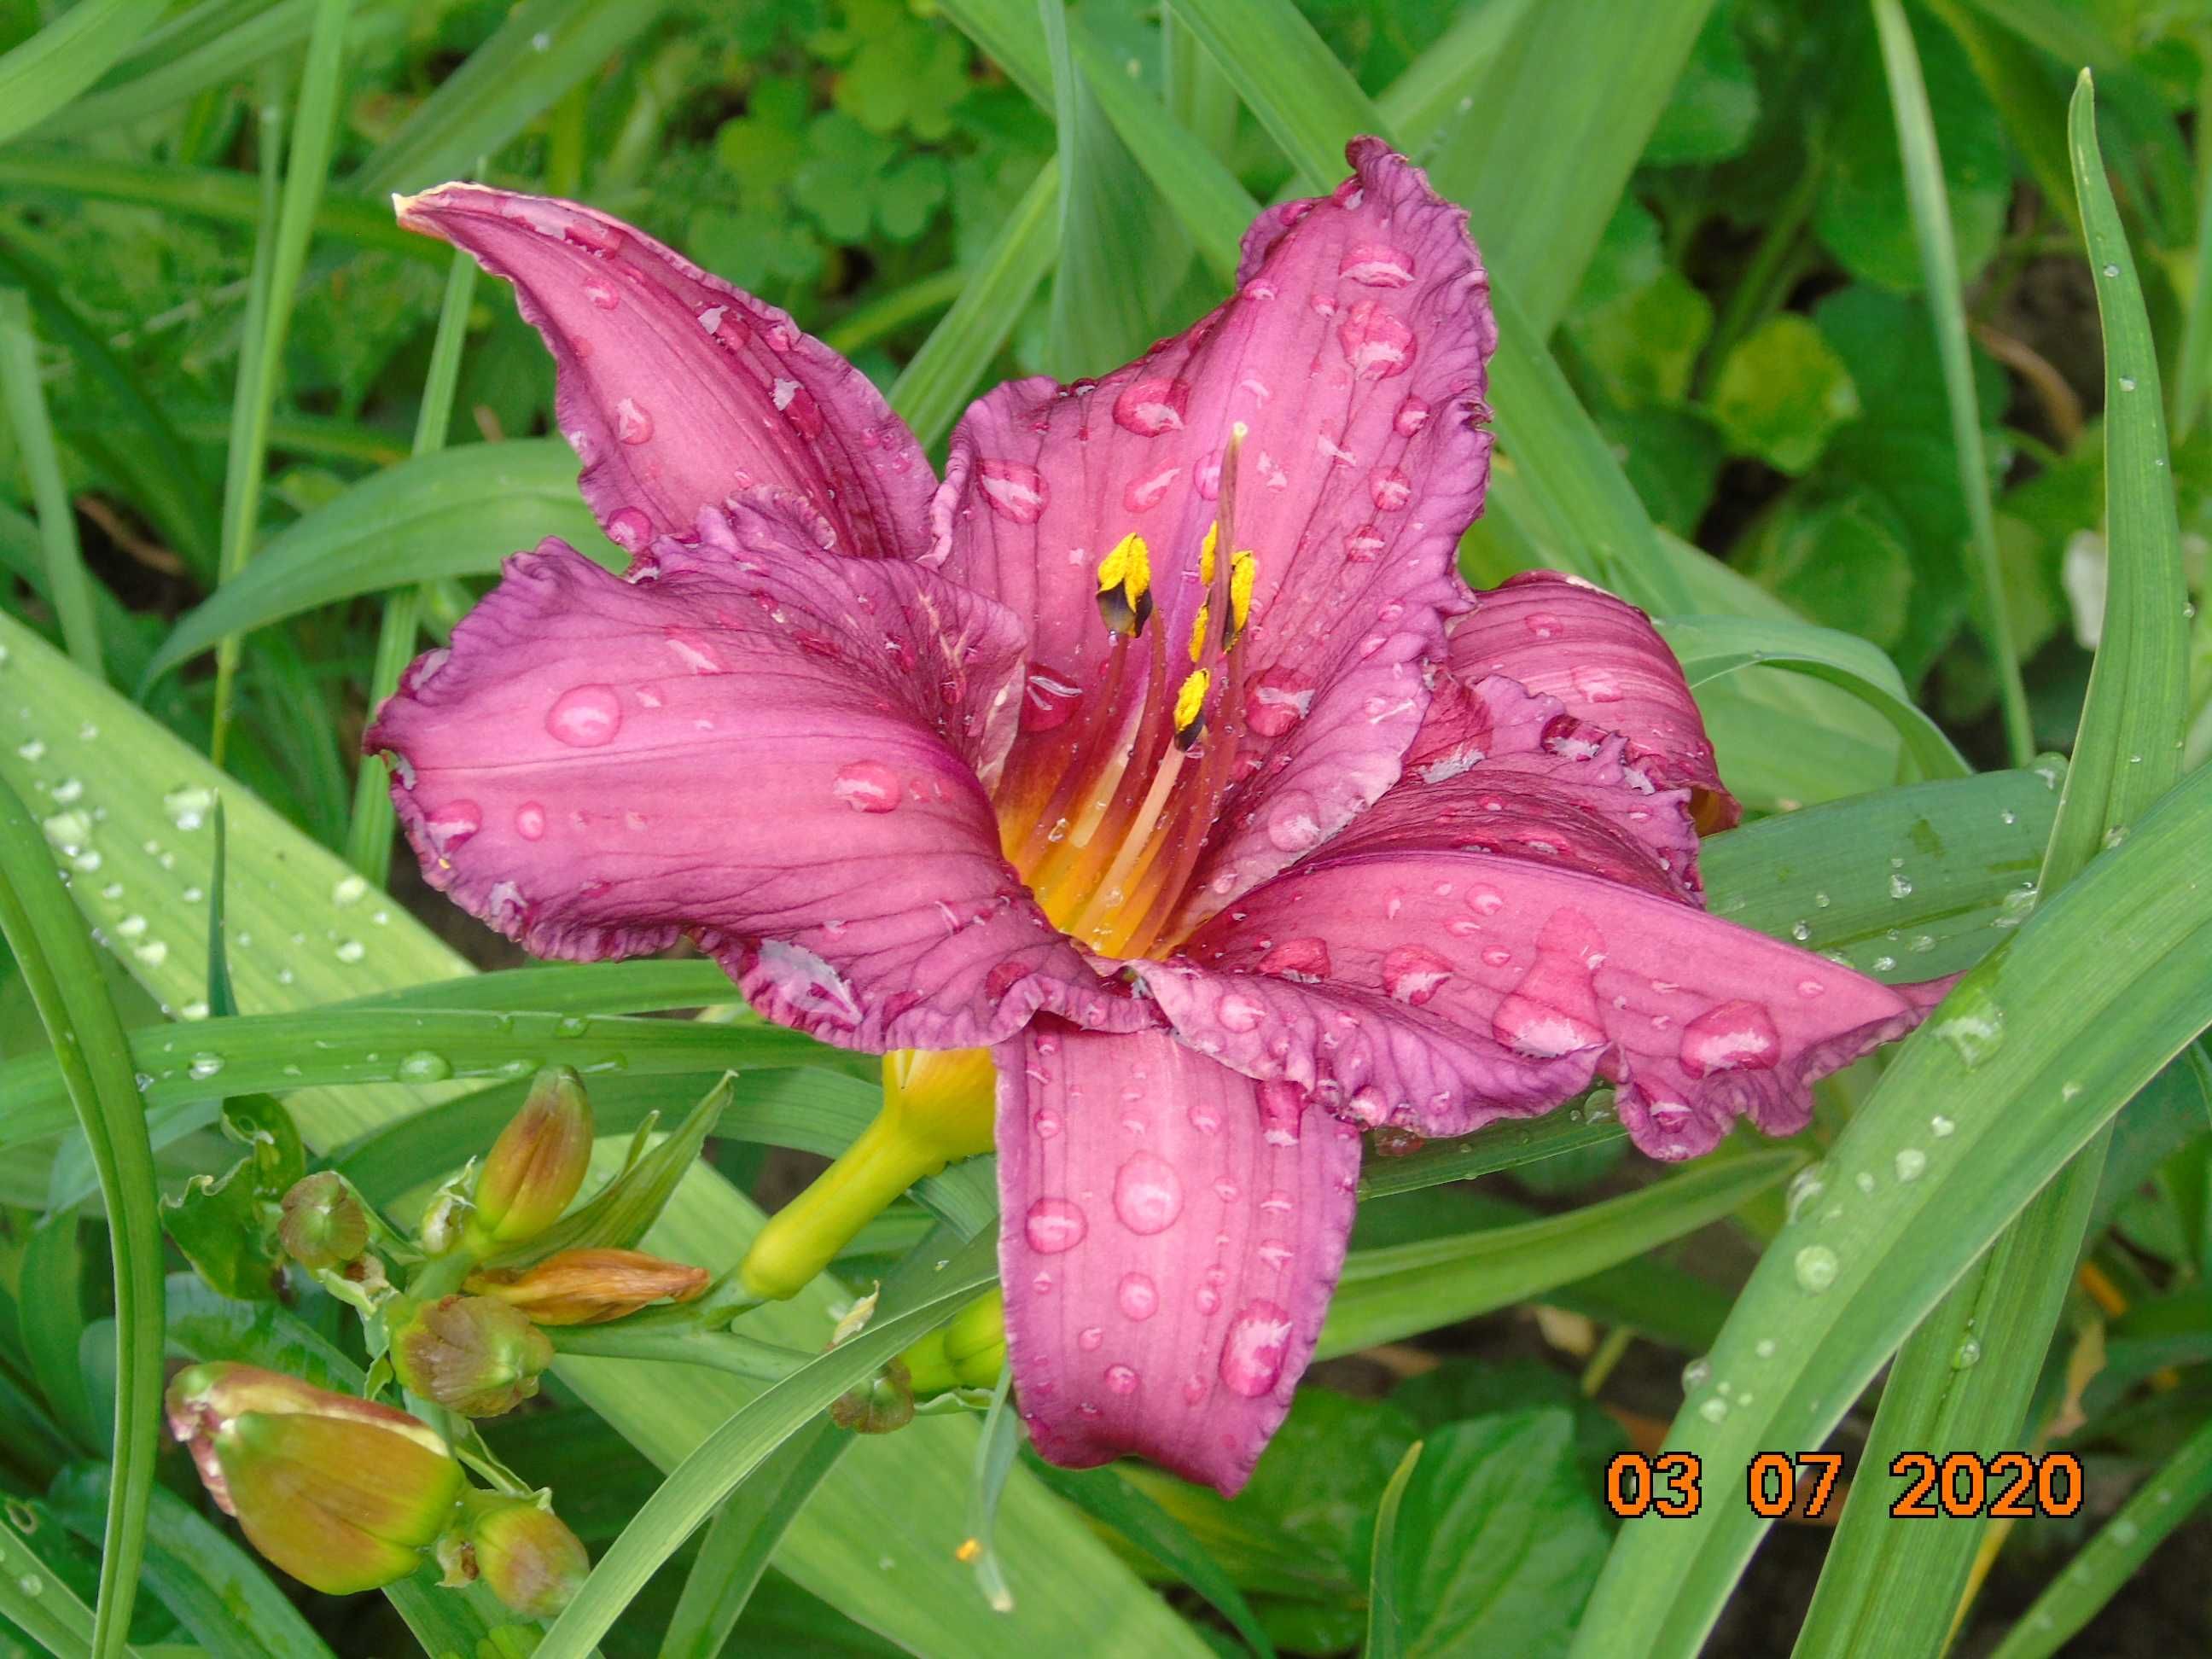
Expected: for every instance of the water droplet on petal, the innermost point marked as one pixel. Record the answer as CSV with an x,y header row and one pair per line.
x,y
1147,1194
1122,1379
1735,1036
1376,340
1138,1298
585,716
530,820
1054,1224
1376,265
632,424
867,785
1013,490
1253,1353
1413,974
1150,406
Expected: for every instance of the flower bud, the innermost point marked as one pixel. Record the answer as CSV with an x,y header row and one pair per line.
x,y
589,1287
521,1549
976,1341
323,1223
883,1402
343,1493
472,1354
535,1167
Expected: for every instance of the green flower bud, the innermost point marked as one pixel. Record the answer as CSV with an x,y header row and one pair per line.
x,y
343,1493
589,1287
976,1341
470,1354
521,1549
323,1223
535,1167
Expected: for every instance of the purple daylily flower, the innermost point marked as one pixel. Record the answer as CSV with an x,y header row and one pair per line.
x,y
1159,749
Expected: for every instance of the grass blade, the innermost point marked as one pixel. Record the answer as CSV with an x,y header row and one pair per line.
x,y
727,1458
169,79
368,837
67,579
744,1534
216,194
938,380
457,513
2033,1052
1939,260
1882,1575
541,49
280,255
1386,1634
2121,1546
56,959
1396,1291
67,55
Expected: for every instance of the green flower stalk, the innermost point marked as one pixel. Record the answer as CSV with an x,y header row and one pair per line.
x,y
471,1354
342,1494
937,1110
534,1169
521,1549
323,1223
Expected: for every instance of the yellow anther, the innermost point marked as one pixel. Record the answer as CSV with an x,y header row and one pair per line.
x,y
1190,707
1138,582
1198,633
1243,571
1205,552
1115,567
1125,581
968,1550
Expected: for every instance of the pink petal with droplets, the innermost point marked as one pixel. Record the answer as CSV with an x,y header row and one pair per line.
x,y
1531,977
676,389
775,757
1600,657
1318,360
1167,1251
1497,769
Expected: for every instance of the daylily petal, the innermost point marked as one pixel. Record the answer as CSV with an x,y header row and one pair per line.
x,y
1441,989
1353,354
1602,659
1509,771
775,756
677,390
1172,1232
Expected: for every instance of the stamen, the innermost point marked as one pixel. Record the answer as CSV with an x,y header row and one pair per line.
x,y
1198,633
1190,706
1243,572
1125,587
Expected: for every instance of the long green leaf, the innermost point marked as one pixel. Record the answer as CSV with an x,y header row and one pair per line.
x,y
939,380
1397,1290
67,579
1881,1575
67,55
742,1445
455,513
745,1534
1939,261
217,194
56,959
279,255
175,73
2121,1546
2030,1056
543,48
214,1589
1386,1633
368,836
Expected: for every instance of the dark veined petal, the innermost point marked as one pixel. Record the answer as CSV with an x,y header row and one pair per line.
x,y
1438,989
678,391
1171,1233
771,751
1352,356
1600,657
